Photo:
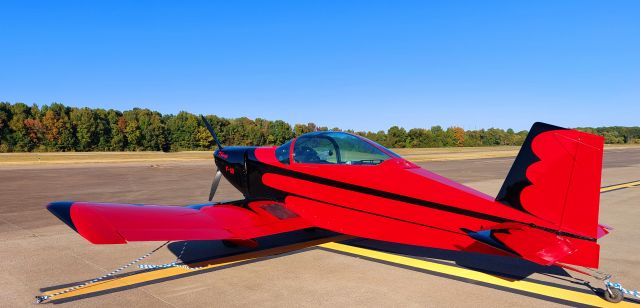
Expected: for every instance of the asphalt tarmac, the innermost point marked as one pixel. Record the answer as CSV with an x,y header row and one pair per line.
x,y
38,253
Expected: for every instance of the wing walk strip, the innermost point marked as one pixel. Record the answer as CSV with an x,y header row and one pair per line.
x,y
331,244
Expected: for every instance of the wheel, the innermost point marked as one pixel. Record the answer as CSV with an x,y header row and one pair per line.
x,y
613,295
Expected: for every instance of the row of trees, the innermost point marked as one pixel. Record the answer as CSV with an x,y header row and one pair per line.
x,y
57,127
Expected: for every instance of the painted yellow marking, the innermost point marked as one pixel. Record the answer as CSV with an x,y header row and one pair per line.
x,y
531,287
176,271
619,186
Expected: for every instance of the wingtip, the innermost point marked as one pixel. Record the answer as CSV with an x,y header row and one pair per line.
x,y
62,210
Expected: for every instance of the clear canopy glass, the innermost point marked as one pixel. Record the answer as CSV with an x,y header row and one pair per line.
x,y
336,148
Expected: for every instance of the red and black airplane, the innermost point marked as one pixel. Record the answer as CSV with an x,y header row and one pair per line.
x,y
546,211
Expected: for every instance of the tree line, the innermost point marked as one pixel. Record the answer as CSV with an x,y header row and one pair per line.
x,y
57,127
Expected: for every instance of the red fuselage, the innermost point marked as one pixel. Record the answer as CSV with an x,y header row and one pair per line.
x,y
414,205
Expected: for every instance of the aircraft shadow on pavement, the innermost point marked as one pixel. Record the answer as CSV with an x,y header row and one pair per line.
x,y
507,267
201,251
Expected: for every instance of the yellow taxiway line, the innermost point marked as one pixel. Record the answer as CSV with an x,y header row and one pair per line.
x,y
332,245
521,285
619,186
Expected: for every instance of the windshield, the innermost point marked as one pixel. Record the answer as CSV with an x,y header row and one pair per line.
x,y
336,148
282,152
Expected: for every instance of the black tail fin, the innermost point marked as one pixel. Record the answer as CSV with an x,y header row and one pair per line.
x,y
517,180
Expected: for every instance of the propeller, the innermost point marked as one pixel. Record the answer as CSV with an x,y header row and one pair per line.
x,y
214,185
211,131
218,176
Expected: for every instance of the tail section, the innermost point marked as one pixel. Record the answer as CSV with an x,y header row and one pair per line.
x,y
556,177
539,245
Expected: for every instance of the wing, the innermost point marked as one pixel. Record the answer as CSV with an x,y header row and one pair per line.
x,y
106,223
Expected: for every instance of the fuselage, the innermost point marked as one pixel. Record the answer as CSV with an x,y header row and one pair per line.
x,y
434,210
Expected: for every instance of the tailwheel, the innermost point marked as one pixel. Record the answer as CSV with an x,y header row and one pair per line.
x,y
613,295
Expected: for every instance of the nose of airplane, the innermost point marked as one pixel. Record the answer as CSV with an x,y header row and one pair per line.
x,y
231,161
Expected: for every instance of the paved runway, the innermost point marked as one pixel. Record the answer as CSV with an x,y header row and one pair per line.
x,y
38,252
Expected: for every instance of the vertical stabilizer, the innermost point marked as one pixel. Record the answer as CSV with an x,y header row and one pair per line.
x,y
556,177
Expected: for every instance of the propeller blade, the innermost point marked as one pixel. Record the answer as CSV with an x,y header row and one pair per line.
x,y
214,185
211,131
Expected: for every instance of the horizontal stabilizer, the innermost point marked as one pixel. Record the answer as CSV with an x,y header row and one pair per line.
x,y
538,245
603,230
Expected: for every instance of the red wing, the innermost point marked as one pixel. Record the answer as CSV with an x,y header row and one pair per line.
x,y
104,223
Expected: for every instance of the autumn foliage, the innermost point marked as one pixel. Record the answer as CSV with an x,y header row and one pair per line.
x,y
57,127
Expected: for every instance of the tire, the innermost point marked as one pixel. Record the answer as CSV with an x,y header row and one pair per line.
x,y
615,296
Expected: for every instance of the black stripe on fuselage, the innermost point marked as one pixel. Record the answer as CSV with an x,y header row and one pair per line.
x,y
378,193
266,168
378,215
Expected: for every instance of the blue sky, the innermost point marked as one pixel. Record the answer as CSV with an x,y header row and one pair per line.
x,y
365,65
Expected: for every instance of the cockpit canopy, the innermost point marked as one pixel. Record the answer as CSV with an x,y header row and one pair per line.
x,y
333,148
